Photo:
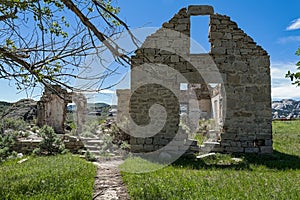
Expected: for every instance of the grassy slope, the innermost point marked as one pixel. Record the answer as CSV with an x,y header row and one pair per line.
x,y
257,177
56,177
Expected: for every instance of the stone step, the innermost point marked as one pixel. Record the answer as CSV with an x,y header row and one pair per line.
x,y
210,147
110,156
214,144
93,142
92,147
95,152
205,155
87,139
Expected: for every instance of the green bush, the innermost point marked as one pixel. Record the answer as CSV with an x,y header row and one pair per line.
x,y
6,144
15,124
51,144
89,156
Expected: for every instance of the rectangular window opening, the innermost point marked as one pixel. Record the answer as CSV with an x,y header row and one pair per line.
x,y
199,42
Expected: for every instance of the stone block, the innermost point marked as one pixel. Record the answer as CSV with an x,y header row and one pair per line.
x,y
136,148
168,25
266,149
251,150
140,140
132,141
228,136
218,50
195,10
234,149
268,142
148,147
216,35
181,27
149,140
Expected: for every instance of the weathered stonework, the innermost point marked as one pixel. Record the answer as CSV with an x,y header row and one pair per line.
x,y
73,144
241,102
52,108
81,110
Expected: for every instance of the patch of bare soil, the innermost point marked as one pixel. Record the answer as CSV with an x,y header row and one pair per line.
x,y
108,183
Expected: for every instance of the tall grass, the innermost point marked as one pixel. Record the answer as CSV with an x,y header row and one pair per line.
x,y
274,176
53,177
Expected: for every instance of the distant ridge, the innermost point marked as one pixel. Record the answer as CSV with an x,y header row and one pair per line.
x,y
286,108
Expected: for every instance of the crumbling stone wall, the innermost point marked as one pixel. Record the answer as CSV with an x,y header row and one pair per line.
x,y
52,108
244,68
73,144
81,110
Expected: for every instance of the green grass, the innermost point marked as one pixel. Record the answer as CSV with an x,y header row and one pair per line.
x,y
274,176
54,177
287,137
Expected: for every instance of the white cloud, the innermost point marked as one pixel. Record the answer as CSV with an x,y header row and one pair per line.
x,y
288,91
285,40
294,25
279,69
282,87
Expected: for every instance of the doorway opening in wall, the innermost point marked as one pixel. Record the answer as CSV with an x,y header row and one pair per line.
x,y
201,107
199,42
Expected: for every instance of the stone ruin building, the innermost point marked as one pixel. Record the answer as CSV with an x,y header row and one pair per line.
x,y
239,102
52,108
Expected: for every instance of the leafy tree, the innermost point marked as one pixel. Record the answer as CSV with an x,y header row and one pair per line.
x,y
47,41
295,77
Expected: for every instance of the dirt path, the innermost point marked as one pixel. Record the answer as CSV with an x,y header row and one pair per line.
x,y
108,183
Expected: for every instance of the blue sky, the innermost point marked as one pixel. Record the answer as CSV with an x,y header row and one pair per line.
x,y
275,25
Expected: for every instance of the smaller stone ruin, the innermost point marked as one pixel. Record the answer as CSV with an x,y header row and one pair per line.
x,y
52,108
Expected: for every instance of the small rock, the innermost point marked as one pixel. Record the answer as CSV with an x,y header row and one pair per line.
x,y
20,155
206,155
237,159
23,160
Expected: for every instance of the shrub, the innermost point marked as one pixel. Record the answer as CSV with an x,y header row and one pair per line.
x,y
118,135
15,124
89,156
51,143
6,144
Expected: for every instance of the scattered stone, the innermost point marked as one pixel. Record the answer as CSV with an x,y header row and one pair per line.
x,y
206,155
23,160
238,160
20,155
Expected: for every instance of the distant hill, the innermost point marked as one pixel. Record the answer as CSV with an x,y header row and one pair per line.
x,y
90,106
25,109
286,108
4,105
